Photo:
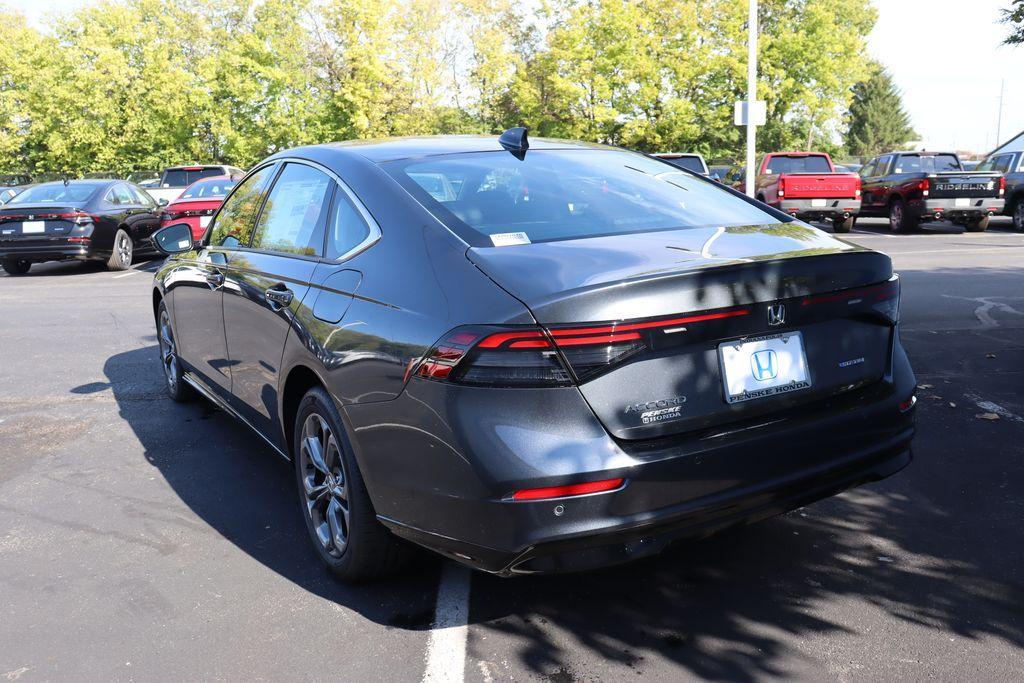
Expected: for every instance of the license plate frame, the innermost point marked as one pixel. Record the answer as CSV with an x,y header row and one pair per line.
x,y
737,366
33,227
819,203
962,202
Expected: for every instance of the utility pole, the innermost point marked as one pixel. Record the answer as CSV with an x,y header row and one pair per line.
x,y
999,119
751,94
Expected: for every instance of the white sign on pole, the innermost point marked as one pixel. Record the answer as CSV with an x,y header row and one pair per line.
x,y
758,114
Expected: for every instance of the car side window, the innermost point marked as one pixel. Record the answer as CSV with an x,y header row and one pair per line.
x,y
346,228
120,195
868,169
293,218
141,198
882,167
233,224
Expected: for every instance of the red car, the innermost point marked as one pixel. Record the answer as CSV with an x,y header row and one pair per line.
x,y
197,204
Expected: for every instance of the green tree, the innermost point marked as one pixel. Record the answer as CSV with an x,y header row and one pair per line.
x,y
1014,17
878,122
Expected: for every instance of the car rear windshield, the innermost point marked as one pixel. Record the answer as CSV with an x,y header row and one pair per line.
x,y
208,189
566,194
54,194
182,177
933,163
798,164
689,163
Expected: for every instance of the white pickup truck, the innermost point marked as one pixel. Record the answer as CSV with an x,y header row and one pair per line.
x,y
175,179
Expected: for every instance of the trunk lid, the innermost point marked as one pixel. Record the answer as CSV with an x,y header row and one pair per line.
x,y
28,223
821,185
678,295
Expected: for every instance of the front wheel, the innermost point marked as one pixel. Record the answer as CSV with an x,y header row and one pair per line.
x,y
178,389
335,504
843,224
977,224
121,256
15,266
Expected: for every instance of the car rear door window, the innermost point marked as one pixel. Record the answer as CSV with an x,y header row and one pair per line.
x,y
292,221
346,227
120,195
232,226
688,163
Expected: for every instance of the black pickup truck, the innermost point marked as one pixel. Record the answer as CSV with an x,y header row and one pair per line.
x,y
1011,165
915,187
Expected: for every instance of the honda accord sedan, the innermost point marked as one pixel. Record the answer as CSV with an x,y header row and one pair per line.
x,y
88,220
532,356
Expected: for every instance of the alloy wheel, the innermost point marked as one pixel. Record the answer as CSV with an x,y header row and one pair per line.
x,y
168,352
124,249
896,217
324,484
1018,215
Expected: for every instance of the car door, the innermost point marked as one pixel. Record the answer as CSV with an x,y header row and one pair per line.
x,y
877,186
266,285
195,287
141,217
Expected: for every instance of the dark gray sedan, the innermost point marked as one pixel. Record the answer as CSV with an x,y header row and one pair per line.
x,y
532,356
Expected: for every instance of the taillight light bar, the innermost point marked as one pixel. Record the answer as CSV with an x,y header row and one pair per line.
x,y
882,292
587,488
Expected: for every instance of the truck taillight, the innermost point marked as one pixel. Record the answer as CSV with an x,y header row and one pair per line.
x,y
925,185
856,192
1002,186
782,186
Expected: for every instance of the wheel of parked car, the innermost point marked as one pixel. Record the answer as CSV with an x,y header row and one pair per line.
x,y
179,390
844,224
334,501
977,225
899,219
1018,214
16,266
121,256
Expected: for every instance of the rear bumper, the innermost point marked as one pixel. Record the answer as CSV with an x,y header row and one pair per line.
x,y
57,251
976,207
833,208
443,477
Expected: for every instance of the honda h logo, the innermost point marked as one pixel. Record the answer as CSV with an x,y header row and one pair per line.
x,y
764,365
776,314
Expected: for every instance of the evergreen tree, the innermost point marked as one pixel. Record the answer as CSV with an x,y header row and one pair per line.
x,y
878,122
1014,17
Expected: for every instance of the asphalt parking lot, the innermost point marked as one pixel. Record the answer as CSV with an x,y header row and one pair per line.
x,y
141,539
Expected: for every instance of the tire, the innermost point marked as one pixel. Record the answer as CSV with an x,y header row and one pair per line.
x,y
121,255
977,225
177,388
15,266
333,499
899,220
843,224
1018,214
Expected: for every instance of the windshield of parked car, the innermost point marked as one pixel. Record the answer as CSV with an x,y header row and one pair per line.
x,y
798,164
182,177
54,193
566,194
208,189
689,163
934,163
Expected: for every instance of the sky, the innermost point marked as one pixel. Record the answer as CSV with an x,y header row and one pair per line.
x,y
945,55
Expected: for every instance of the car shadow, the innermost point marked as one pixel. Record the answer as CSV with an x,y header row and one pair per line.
x,y
235,483
148,263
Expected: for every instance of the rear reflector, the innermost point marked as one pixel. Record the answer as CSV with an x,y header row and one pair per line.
x,y
570,490
908,404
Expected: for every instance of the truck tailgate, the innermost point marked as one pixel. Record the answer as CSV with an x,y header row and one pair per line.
x,y
954,184
820,185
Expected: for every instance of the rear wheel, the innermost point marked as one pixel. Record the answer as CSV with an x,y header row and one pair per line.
x,y
977,224
900,220
843,224
335,504
15,266
178,389
121,256
1018,214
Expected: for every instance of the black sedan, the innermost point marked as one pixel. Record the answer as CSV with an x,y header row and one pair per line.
x,y
101,220
532,356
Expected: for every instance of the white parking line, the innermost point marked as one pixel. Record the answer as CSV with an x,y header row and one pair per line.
x,y
130,272
990,407
446,645
958,251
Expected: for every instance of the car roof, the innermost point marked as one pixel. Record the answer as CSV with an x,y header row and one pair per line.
x,y
391,149
87,182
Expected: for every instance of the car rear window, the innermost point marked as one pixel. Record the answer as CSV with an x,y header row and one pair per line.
x,y
182,177
932,163
208,189
566,194
53,194
689,163
798,164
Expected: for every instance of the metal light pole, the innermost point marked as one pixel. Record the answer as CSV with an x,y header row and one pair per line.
x,y
751,94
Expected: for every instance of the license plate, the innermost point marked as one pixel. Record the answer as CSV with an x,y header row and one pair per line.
x,y
818,202
204,221
962,201
758,367
33,228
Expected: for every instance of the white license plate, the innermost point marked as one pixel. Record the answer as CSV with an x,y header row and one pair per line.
x,y
818,202
758,367
962,201
33,228
204,221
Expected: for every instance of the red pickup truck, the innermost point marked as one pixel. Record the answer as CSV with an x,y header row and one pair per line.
x,y
806,185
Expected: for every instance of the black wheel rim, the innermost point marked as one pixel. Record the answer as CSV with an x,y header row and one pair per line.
x,y
168,352
324,485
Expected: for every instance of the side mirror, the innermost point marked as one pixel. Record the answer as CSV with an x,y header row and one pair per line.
x,y
717,178
174,239
162,202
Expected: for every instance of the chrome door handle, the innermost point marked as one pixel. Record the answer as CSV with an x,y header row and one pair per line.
x,y
279,296
215,278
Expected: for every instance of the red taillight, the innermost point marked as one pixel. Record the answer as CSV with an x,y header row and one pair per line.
x,y
856,192
925,186
570,490
1002,186
884,298
782,186
79,240
908,404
